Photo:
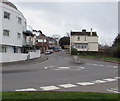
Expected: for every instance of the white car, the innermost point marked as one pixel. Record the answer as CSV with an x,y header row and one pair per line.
x,y
49,51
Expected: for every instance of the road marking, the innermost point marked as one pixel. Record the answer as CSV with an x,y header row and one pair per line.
x,y
99,81
86,83
115,66
46,67
82,67
64,67
51,66
56,69
109,79
94,64
49,88
27,89
117,77
113,90
101,65
67,85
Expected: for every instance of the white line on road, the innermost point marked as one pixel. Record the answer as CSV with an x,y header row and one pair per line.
x,y
51,66
117,77
115,66
64,67
85,83
67,85
82,67
99,81
94,64
113,90
49,88
110,79
101,65
27,89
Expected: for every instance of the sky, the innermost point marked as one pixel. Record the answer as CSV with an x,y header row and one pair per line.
x,y
62,17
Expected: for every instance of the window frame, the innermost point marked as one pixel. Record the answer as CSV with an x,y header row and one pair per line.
x,y
19,20
6,32
6,16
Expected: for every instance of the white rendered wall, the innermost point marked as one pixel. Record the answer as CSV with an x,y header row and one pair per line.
x,y
34,54
12,57
93,46
12,25
1,23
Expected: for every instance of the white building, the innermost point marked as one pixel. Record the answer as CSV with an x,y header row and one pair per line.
x,y
12,25
84,41
13,33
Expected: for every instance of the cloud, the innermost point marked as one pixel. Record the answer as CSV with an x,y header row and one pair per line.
x,y
60,18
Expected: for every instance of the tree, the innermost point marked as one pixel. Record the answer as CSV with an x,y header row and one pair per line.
x,y
116,46
64,41
116,41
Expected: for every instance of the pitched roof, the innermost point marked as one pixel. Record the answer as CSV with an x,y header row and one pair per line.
x,y
84,33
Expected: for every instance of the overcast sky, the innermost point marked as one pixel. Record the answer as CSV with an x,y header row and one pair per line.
x,y
62,17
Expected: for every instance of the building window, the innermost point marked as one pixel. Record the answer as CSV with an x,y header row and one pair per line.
x,y
85,38
15,49
19,20
78,38
6,32
3,49
85,46
82,46
6,15
18,35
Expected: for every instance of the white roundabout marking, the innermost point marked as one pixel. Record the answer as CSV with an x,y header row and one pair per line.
x,y
67,85
64,67
99,81
85,83
27,89
110,79
49,88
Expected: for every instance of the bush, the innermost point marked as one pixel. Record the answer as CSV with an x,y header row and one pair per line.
x,y
116,52
74,51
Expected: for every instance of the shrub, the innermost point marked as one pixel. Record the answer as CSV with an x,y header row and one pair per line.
x,y
74,51
116,52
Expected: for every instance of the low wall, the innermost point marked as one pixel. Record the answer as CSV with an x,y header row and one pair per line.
x,y
13,57
34,54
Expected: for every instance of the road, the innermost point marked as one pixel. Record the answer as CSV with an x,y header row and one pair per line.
x,y
59,73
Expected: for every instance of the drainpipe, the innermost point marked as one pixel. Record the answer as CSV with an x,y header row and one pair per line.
x,y
91,32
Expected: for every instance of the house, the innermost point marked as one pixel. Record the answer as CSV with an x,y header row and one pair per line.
x,y
52,42
30,40
84,41
42,43
14,34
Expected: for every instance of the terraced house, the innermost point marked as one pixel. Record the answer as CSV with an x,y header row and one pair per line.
x,y
84,41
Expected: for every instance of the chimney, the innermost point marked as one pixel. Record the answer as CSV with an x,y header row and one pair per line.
x,y
84,30
91,32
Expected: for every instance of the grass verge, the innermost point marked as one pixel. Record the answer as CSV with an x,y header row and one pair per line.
x,y
58,95
101,57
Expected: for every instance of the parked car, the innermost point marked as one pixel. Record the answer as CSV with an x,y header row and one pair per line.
x,y
57,49
50,51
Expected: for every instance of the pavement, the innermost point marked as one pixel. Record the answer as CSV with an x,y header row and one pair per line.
x,y
42,58
61,74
